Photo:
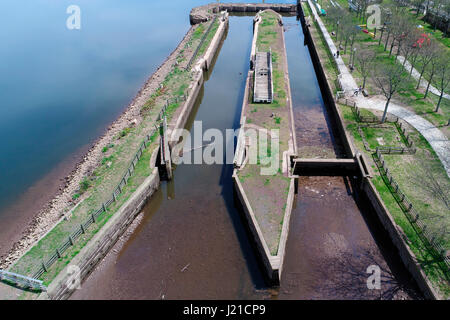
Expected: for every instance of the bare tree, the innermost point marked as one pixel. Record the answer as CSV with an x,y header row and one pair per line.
x,y
407,46
427,52
365,59
429,183
386,18
335,15
389,78
432,68
442,77
417,5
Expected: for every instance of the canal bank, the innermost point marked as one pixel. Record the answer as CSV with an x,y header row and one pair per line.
x,y
409,263
98,247
87,256
191,242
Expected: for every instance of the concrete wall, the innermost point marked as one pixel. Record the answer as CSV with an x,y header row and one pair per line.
x,y
333,167
103,241
399,240
198,79
273,265
204,13
327,93
396,234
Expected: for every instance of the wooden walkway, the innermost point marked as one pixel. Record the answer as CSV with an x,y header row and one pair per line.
x,y
263,78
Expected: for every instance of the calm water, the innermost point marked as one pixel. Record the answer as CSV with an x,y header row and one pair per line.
x,y
61,88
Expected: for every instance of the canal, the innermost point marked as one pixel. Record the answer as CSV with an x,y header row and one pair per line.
x,y
190,241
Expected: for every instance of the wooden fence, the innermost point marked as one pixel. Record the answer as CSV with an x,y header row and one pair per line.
x,y
80,230
412,215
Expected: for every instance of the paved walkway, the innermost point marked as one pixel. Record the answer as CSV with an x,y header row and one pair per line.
x,y
423,83
434,136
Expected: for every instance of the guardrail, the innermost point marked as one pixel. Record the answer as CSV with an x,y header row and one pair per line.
x,y
410,212
104,207
22,281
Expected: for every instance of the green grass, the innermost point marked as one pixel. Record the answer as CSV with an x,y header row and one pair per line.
x,y
406,170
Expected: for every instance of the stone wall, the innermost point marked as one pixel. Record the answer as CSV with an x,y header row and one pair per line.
x,y
62,287
204,13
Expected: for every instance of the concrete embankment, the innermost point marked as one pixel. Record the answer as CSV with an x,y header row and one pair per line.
x,y
204,13
367,187
268,222
86,260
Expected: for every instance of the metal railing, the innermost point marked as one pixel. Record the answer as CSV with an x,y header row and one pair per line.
x,y
410,212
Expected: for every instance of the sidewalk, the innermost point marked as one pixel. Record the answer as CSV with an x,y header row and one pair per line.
x,y
423,83
435,137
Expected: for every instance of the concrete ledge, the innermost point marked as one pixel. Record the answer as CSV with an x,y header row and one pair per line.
x,y
399,239
61,287
271,264
198,80
325,167
205,13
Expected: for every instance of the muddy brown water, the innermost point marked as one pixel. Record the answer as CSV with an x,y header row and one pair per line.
x,y
190,242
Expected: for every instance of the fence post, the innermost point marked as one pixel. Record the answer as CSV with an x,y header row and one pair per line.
x,y
58,253
82,228
114,196
103,207
93,217
409,208
44,267
71,240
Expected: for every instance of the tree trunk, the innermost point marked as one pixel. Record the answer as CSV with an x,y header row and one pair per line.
x,y
420,78
439,102
387,40
428,86
383,119
392,47
412,65
364,82
381,36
